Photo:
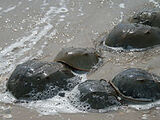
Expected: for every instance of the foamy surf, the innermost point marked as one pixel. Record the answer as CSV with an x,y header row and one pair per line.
x,y
155,3
15,53
146,106
50,106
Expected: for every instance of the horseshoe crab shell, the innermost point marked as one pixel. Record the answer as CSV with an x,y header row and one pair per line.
x,y
147,17
136,85
131,36
98,94
34,80
78,58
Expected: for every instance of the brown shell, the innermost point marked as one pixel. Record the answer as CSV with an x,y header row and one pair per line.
x,y
131,36
136,85
78,58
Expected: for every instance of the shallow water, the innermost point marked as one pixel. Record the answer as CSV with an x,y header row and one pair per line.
x,y
40,28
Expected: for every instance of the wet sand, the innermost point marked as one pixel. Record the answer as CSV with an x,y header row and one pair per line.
x,y
41,28
114,115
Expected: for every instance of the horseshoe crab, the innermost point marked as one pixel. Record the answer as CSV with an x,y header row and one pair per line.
x,y
131,36
83,59
34,80
94,95
137,86
147,17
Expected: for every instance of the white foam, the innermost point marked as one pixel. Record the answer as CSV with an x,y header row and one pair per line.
x,y
62,10
6,97
1,8
122,49
9,9
122,5
82,76
144,117
121,16
84,106
62,16
111,3
146,106
9,57
156,4
45,3
40,52
61,20
53,33
80,10
50,106
59,104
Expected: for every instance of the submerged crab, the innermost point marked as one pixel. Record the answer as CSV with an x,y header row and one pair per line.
x,y
147,17
131,36
34,80
136,85
96,94
83,59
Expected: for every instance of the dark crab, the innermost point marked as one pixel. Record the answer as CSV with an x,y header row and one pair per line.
x,y
131,36
83,59
137,86
34,80
147,17
96,94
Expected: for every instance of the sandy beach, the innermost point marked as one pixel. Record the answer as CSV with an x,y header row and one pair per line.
x,y
41,28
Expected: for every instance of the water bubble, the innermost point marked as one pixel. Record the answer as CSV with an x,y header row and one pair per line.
x,y
122,5
144,117
8,116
